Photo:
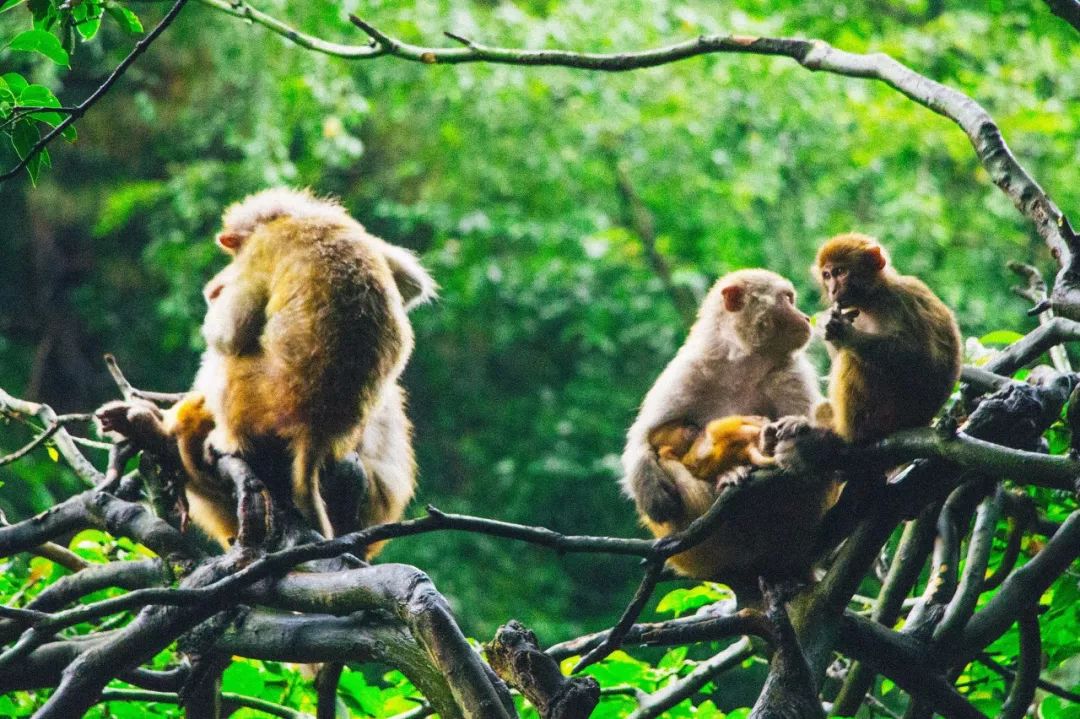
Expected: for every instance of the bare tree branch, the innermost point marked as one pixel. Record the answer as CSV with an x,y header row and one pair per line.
x,y
654,705
1026,678
516,657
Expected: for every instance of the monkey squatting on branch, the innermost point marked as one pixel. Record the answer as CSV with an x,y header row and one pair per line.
x,y
230,605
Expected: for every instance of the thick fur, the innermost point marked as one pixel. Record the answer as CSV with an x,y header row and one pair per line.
x,y
897,361
725,444
740,358
307,336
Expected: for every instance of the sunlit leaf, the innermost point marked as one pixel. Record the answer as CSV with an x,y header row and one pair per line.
x,y
42,42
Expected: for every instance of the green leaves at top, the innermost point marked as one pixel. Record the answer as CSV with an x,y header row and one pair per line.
x,y
42,42
126,19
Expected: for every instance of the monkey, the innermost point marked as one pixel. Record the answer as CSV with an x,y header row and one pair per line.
x,y
723,445
896,355
306,338
743,355
897,346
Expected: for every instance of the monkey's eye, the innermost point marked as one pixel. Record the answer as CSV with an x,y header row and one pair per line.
x,y
839,272
824,274
790,296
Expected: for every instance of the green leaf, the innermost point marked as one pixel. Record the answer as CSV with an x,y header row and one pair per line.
x,y
1000,337
15,82
53,454
6,5
33,167
126,19
42,42
23,137
89,28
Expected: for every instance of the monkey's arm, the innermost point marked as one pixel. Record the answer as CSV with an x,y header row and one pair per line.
x,y
235,319
890,351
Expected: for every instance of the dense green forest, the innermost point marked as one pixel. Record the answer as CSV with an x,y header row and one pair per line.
x,y
572,219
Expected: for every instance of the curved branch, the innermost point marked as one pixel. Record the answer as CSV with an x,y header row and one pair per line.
x,y
1041,339
654,705
409,595
64,443
1026,679
1018,592
973,578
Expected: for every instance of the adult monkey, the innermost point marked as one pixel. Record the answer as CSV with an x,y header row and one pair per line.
x,y
743,356
897,346
896,354
307,335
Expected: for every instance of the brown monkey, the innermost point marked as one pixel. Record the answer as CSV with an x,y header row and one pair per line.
x,y
743,356
897,346
723,445
307,335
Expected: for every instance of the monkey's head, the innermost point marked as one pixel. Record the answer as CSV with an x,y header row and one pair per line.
x,y
244,217
758,308
849,267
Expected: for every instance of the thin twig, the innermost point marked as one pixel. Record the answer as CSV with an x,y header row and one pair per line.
x,y
80,109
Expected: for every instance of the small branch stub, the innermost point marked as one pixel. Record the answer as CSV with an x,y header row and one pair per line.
x,y
516,657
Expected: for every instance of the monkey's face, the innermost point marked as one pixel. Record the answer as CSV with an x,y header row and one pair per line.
x,y
772,321
835,281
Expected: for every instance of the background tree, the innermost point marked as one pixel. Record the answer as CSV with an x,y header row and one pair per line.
x,y
571,217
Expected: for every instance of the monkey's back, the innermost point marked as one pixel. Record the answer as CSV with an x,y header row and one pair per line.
x,y
335,332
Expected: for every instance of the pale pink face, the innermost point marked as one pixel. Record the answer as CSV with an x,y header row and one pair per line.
x,y
768,318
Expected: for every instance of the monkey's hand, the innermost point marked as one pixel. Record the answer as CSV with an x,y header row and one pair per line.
x,y
840,329
136,420
800,447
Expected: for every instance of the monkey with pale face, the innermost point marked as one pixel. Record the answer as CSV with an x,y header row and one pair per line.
x,y
307,335
743,356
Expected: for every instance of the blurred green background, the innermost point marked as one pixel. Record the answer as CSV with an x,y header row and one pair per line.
x,y
533,195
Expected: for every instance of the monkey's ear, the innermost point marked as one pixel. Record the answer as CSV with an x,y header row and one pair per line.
x,y
734,297
876,255
230,241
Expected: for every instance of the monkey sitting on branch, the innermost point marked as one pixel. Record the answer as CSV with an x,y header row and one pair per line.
x,y
307,335
896,356
743,356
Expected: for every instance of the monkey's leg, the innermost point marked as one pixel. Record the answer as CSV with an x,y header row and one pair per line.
x,y
305,486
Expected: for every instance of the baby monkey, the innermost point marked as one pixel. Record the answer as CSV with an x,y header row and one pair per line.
x,y
725,444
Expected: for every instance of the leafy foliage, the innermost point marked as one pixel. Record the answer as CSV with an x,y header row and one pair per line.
x,y
552,324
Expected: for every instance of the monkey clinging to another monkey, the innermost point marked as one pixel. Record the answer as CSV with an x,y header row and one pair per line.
x,y
307,335
743,356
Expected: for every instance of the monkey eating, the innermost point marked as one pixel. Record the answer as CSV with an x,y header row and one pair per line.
x,y
743,356
897,346
307,335
896,355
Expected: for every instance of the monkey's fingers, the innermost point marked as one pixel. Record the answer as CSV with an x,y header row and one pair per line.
x,y
759,459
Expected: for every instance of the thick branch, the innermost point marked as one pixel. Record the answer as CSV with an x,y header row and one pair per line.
x,y
408,594
903,660
516,657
